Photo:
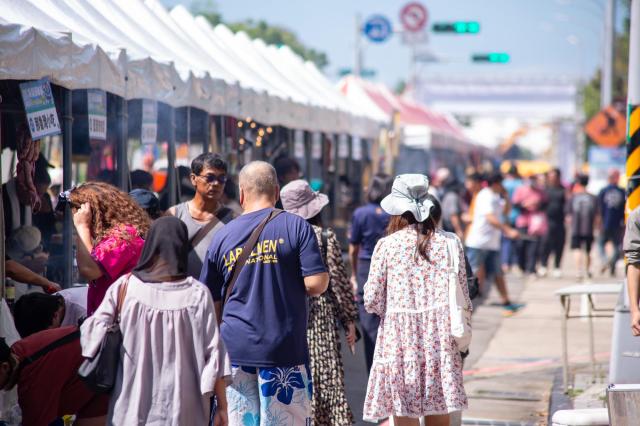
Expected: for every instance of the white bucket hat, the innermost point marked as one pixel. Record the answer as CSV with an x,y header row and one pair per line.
x,y
409,194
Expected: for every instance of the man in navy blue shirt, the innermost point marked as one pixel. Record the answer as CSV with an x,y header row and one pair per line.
x,y
611,201
264,323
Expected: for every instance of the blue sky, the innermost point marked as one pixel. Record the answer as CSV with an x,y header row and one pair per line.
x,y
543,37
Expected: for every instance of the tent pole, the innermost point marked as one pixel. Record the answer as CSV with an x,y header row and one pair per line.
x,y
2,267
67,235
123,149
123,167
171,159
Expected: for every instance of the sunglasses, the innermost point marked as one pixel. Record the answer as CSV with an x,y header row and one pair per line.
x,y
64,198
210,178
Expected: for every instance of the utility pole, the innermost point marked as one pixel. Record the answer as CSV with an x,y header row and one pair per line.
x,y
633,111
357,66
606,82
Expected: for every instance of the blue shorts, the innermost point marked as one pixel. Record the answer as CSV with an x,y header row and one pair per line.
x,y
490,259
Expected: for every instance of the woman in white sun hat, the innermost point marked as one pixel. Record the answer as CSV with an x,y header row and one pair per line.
x,y
335,306
417,366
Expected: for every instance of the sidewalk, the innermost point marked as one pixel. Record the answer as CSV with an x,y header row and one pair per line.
x,y
510,377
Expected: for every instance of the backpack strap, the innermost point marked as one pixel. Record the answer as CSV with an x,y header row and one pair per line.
x,y
223,215
51,346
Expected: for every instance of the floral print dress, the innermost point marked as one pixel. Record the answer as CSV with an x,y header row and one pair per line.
x,y
417,368
329,403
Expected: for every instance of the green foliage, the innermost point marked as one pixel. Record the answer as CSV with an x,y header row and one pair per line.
x,y
208,9
591,91
401,85
271,34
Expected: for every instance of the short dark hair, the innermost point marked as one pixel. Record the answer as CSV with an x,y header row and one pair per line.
x,y
285,165
207,160
582,179
557,171
436,211
141,179
474,176
379,188
34,312
494,177
5,351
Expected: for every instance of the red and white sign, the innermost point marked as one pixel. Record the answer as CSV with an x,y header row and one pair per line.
x,y
413,17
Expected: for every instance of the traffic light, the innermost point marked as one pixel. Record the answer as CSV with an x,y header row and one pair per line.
x,y
458,27
495,57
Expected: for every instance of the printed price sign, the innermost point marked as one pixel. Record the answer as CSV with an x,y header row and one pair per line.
x,y
356,148
343,146
40,108
298,144
316,146
97,107
149,134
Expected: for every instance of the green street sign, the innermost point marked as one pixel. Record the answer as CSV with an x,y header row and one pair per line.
x,y
494,57
457,27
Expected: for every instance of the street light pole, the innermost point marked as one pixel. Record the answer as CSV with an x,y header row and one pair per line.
x,y
357,66
633,111
608,54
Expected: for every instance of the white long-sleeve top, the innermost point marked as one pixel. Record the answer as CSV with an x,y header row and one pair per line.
x,y
172,353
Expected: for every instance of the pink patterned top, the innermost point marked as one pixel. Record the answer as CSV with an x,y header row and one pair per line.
x,y
116,256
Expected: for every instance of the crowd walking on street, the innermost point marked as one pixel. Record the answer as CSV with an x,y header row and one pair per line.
x,y
231,310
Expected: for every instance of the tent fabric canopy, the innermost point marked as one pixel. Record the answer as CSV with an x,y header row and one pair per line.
x,y
137,49
422,126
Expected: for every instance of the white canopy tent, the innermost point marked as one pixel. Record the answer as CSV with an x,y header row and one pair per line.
x,y
138,49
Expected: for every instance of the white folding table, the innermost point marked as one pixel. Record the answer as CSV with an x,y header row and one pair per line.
x,y
588,290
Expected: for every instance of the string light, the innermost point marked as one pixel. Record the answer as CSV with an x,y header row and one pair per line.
x,y
261,132
249,120
241,141
269,130
240,124
253,125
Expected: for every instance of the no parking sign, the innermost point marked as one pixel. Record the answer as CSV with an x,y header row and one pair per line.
x,y
413,17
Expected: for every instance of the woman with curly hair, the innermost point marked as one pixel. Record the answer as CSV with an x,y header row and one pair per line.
x,y
110,227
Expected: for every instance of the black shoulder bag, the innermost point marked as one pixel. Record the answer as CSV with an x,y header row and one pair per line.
x,y
99,373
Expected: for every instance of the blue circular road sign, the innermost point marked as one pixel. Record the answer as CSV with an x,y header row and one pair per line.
x,y
377,28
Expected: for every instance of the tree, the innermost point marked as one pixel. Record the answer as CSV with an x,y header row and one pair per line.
x,y
591,91
271,34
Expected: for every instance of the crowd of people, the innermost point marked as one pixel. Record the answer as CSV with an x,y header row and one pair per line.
x,y
231,308
521,224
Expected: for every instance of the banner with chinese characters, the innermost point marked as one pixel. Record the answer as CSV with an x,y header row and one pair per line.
x,y
97,107
149,133
40,108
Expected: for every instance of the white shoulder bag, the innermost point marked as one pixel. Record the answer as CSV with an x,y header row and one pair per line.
x,y
459,310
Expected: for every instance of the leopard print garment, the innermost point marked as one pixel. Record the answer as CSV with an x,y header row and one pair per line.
x,y
335,306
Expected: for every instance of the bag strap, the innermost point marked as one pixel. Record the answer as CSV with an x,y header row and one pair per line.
x,y
51,346
246,251
222,215
122,292
324,237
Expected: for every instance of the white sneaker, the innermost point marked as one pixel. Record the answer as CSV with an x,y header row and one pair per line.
x,y
557,273
542,271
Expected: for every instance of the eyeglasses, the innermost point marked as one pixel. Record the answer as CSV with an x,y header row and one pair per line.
x,y
210,178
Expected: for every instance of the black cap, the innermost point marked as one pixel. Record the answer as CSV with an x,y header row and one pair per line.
x,y
145,199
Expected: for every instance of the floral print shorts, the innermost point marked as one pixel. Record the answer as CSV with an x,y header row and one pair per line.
x,y
270,396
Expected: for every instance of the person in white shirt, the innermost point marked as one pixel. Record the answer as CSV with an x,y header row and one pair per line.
x,y
483,238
